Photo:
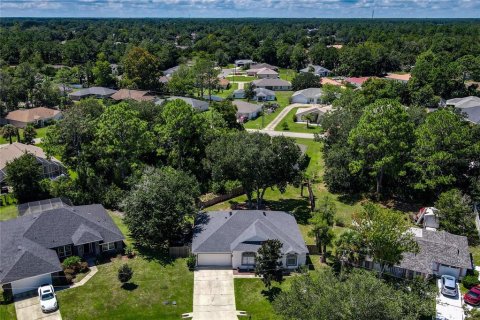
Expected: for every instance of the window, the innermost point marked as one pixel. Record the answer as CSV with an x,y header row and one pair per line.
x,y
64,251
108,246
291,260
248,258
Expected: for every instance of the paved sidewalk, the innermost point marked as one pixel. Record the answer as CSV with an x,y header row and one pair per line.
x,y
213,295
284,112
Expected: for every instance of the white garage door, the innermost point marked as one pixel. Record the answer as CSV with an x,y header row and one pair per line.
x,y
214,259
29,284
451,271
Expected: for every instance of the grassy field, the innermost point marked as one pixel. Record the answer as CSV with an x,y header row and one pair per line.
x,y
283,99
226,93
294,126
286,74
156,280
8,212
41,132
240,78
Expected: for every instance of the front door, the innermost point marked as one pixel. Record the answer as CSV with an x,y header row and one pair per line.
x,y
87,248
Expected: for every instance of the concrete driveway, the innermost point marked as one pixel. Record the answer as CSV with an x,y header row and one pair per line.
x,y
29,309
449,308
213,295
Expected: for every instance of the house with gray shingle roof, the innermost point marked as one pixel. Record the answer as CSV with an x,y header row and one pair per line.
x,y
468,106
262,94
307,96
316,70
97,92
232,238
272,84
439,253
33,245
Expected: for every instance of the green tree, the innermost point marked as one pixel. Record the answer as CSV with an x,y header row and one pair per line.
x,y
322,224
305,80
442,151
125,273
9,131
161,206
299,57
24,175
381,141
182,81
205,75
141,69
228,112
268,262
102,72
456,214
384,235
249,93
29,134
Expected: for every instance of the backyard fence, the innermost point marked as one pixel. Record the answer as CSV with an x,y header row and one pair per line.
x,y
223,197
179,252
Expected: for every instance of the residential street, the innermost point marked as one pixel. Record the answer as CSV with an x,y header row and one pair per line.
x,y
284,133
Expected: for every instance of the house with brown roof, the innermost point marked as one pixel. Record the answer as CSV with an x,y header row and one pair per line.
x,y
51,167
36,116
223,83
137,95
403,77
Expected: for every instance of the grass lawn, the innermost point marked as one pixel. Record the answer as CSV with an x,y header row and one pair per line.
x,y
240,78
41,132
7,310
283,99
476,255
294,126
286,74
154,282
226,93
8,212
250,296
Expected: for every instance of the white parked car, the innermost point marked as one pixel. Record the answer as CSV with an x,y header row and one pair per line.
x,y
47,297
449,286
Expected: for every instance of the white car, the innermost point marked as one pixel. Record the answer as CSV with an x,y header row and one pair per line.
x,y
47,297
449,286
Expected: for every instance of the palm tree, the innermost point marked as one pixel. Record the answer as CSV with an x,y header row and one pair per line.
x,y
9,131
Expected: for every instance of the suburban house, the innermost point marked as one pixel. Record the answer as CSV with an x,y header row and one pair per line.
x,y
272,84
239,94
307,96
137,95
333,82
36,116
196,104
262,94
213,98
263,73
243,62
441,253
263,65
232,238
317,111
97,92
356,81
170,71
403,78
52,168
33,245
316,70
469,106
246,110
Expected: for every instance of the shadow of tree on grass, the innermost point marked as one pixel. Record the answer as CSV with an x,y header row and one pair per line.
x,y
129,286
271,294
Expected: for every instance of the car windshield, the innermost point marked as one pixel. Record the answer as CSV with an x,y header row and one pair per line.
x,y
47,296
450,286
473,294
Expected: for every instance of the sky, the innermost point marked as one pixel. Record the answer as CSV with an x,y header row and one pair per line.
x,y
242,8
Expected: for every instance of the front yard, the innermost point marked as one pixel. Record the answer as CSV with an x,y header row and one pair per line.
x,y
296,126
41,132
283,100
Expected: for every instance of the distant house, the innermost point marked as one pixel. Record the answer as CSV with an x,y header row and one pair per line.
x,y
96,92
273,84
33,245
441,253
308,96
51,167
263,65
262,94
330,81
137,95
239,94
243,62
246,110
356,81
232,238
263,73
403,78
223,83
469,106
317,111
212,98
36,116
316,70
196,104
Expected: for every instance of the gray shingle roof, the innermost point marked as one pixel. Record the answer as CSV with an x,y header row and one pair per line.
x,y
316,69
195,103
469,106
224,231
437,246
271,83
246,107
93,91
309,93
262,92
26,242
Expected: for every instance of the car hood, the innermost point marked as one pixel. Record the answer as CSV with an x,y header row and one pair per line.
x,y
48,304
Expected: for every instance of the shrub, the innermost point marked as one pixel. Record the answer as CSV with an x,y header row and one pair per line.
x,y
69,278
83,267
7,295
71,262
191,262
339,222
125,273
69,271
471,280
285,126
129,251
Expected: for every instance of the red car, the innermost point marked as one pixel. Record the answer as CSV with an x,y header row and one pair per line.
x,y
473,296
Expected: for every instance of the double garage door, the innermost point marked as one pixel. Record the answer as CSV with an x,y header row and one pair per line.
x,y
214,259
32,283
447,270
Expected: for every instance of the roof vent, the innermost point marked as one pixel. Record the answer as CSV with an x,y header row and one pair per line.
x,y
264,213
